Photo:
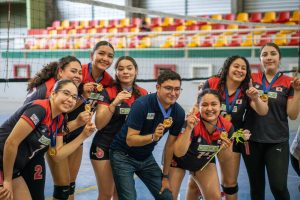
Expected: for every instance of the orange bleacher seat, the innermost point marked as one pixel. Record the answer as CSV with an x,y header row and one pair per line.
x,y
206,29
280,39
264,39
283,17
125,22
103,23
218,27
296,17
236,41
242,17
255,17
259,32
168,21
216,17
145,42
83,24
269,17
52,32
169,43
207,42
65,24
190,22
121,43
231,28
62,32
294,41
195,41
229,16
72,31
92,31
249,41
221,41
180,28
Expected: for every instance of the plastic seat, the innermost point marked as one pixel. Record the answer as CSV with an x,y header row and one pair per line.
x,y
242,17
93,24
113,23
255,17
259,32
231,27
125,22
269,17
170,42
287,31
229,16
156,22
195,41
145,42
205,29
221,41
103,23
37,32
74,24
283,17
180,43
280,39
294,41
207,42
135,22
121,43
83,24
295,17
216,17
218,27
264,39
168,21
178,22
236,41
249,41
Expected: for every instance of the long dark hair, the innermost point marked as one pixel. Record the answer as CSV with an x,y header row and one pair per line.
x,y
135,92
50,71
225,69
58,86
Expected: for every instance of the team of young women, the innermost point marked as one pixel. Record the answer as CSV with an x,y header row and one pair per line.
x,y
62,98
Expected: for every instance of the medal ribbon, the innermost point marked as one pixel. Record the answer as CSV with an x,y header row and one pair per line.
x,y
266,89
128,89
165,114
230,106
90,72
53,134
220,129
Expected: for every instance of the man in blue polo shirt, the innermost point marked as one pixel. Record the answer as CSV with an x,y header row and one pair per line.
x,y
151,116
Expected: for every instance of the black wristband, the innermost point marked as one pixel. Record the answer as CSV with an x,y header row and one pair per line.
x,y
165,175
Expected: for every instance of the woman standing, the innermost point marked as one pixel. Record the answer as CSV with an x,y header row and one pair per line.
x,y
30,131
234,84
111,113
269,144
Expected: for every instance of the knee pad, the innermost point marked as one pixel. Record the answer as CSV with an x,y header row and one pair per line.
x,y
72,188
230,190
61,192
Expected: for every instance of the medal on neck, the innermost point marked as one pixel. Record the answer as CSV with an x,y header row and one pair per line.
x,y
264,97
168,121
230,106
53,134
87,107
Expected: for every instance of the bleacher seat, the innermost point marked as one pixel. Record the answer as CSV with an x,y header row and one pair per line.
x,y
249,41
103,23
255,17
113,23
93,24
205,29
195,41
170,42
180,43
37,31
135,22
236,41
229,16
264,39
125,22
294,41
145,42
168,21
283,17
269,17
74,24
280,39
207,42
231,29
295,17
218,27
242,17
155,22
221,41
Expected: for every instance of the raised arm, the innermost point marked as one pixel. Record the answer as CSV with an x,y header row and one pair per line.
x,y
293,104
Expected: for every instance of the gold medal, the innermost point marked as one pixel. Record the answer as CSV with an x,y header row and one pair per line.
x,y
99,87
264,97
87,107
223,135
168,122
228,117
52,151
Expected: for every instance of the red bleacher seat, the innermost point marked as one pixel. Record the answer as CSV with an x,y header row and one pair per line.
x,y
156,21
135,22
37,32
207,41
74,24
236,41
93,23
295,41
178,22
113,23
218,27
255,17
229,16
264,39
283,17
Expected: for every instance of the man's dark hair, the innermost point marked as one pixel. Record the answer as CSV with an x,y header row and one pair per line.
x,y
168,75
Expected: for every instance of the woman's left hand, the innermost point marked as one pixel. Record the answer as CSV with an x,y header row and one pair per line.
x,y
89,129
296,84
6,191
252,92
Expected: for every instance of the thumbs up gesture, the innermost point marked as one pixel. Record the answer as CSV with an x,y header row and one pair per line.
x,y
252,92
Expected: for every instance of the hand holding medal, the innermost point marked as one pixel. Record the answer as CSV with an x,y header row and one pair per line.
x,y
89,129
158,133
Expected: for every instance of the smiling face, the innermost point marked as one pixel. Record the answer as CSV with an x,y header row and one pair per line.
x,y
210,107
102,57
126,72
71,71
237,71
270,58
65,97
168,92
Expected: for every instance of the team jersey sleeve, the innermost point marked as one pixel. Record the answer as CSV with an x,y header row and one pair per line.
x,y
137,116
36,93
104,98
34,115
290,93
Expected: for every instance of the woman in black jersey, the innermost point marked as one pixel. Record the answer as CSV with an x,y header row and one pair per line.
x,y
32,130
201,138
269,144
111,113
40,87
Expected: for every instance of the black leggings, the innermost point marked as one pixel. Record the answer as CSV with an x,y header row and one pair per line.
x,y
295,164
274,158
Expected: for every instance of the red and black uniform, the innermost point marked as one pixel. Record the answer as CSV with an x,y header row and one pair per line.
x,y
38,114
87,77
203,145
104,137
269,147
240,107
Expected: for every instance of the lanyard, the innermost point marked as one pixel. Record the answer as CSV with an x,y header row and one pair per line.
x,y
90,72
128,89
230,106
53,134
165,114
214,125
266,89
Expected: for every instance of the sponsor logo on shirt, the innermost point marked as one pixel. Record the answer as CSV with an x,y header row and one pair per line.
x,y
34,119
150,115
124,111
279,89
239,101
44,140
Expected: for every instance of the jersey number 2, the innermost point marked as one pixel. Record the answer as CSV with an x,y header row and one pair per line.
x,y
38,172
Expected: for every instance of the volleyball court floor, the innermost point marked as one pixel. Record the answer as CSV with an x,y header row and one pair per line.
x,y
86,188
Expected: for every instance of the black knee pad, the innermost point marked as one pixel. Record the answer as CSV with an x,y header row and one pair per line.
x,y
72,188
230,190
61,192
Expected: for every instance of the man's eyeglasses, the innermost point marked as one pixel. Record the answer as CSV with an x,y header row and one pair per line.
x,y
68,94
171,89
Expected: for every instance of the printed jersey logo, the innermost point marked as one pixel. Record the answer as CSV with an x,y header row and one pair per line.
x,y
34,119
279,89
99,153
44,140
150,115
124,111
